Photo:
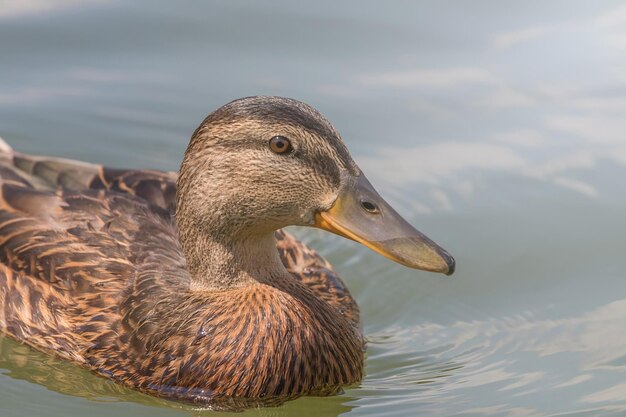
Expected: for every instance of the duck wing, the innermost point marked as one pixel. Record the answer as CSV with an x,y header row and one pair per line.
x,y
72,247
156,187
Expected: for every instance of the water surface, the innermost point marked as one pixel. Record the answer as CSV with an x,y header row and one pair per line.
x,y
498,128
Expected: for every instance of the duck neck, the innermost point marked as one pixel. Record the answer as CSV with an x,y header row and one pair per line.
x,y
226,237
223,262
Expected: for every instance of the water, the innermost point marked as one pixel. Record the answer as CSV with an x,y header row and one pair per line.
x,y
495,127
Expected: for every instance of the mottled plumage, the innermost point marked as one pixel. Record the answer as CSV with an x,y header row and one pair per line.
x,y
183,285
92,270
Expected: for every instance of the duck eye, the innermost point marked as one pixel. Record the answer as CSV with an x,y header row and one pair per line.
x,y
280,144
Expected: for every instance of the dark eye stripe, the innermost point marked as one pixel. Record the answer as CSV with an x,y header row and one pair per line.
x,y
280,145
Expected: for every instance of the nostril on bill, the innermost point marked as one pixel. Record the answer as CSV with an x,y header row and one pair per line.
x,y
369,207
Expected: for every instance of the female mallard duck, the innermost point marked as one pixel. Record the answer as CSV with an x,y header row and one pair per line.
x,y
212,303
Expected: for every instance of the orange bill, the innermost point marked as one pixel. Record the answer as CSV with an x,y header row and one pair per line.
x,y
361,214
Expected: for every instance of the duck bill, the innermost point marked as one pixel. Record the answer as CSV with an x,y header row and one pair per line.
x,y
361,214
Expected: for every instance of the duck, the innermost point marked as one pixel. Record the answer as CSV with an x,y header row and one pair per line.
x,y
184,285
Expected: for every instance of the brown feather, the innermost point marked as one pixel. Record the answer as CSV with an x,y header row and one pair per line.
x,y
91,269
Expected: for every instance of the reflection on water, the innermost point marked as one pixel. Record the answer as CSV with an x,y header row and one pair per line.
x,y
513,358
19,362
496,128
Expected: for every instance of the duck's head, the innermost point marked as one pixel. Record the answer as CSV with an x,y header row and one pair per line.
x,y
259,164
